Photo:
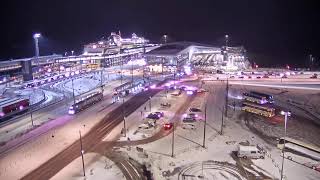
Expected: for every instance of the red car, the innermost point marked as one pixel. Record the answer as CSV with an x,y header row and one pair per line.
x,y
167,126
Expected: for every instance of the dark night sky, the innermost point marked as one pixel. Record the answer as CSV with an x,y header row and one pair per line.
x,y
273,31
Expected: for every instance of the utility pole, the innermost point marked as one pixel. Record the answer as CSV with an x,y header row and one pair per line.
x,y
227,92
30,106
204,126
162,67
286,114
101,80
172,146
150,103
124,126
82,151
74,99
132,72
36,37
227,39
221,131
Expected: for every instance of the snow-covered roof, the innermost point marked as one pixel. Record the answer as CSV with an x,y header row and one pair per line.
x,y
176,47
247,148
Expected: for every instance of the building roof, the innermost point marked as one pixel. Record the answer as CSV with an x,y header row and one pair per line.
x,y
175,48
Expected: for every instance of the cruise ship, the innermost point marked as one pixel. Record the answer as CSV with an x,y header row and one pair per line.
x,y
115,44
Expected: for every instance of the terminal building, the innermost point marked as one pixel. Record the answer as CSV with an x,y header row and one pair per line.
x,y
115,51
206,57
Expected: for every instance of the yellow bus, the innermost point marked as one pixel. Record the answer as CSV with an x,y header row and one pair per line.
x,y
258,109
92,66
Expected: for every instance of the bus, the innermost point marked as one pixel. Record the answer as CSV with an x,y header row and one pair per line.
x,y
12,106
258,109
299,147
268,97
92,66
254,98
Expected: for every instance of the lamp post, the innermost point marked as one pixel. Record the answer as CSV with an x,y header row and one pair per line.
x,y
286,114
227,39
150,103
72,53
73,96
82,152
36,37
165,38
172,145
30,106
124,127
204,126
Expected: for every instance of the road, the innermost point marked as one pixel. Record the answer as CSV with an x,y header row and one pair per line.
x,y
92,139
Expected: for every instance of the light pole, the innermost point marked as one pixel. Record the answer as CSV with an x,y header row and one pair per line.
x,y
124,126
286,114
227,99
226,39
30,107
73,96
221,130
101,80
82,152
165,38
150,103
36,37
72,53
172,145
204,126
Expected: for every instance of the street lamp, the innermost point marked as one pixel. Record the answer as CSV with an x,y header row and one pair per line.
x,y
72,52
36,37
227,38
82,152
286,114
165,38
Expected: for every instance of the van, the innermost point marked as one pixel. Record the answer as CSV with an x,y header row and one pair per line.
x,y
249,152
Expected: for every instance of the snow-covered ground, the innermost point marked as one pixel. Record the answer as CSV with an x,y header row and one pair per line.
x,y
97,167
189,153
55,136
